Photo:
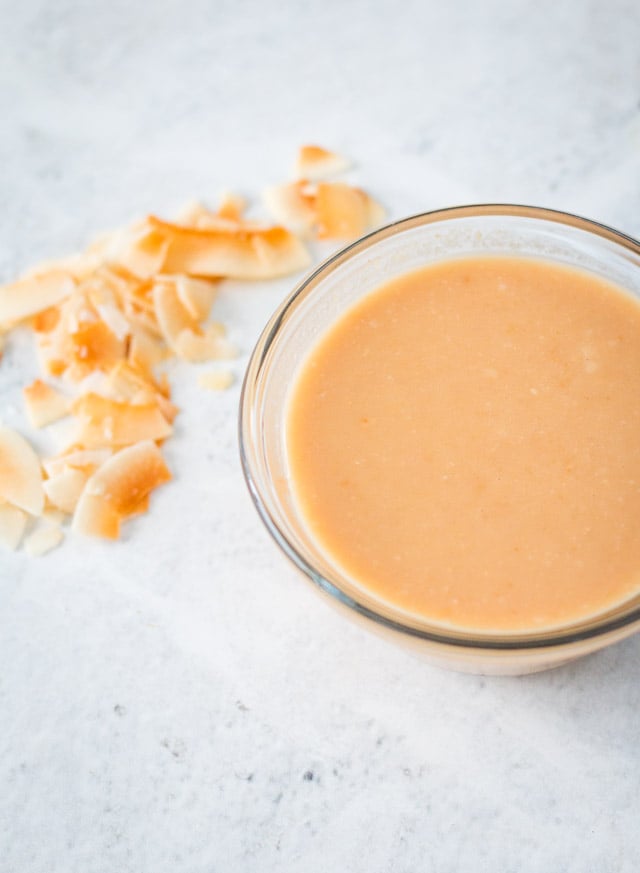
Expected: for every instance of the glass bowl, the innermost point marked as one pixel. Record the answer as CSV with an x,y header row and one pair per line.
x,y
307,314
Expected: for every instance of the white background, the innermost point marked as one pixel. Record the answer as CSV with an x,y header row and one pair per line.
x,y
162,699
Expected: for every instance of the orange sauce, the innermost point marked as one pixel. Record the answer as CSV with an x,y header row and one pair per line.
x,y
465,444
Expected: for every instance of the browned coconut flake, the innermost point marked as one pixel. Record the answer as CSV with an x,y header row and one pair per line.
x,y
106,319
20,473
44,404
315,162
326,210
13,522
43,539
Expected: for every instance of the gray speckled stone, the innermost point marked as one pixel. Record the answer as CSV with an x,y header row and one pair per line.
x,y
182,700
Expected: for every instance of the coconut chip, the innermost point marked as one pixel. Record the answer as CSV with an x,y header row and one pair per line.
x,y
129,476
86,460
196,295
20,475
140,250
332,210
44,538
94,517
105,422
172,315
294,204
205,345
344,212
145,351
125,381
30,296
114,320
216,380
248,252
63,490
106,318
12,525
95,347
119,489
54,515
314,162
232,206
44,404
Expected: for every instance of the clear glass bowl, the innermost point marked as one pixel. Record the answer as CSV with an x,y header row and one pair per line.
x,y
307,314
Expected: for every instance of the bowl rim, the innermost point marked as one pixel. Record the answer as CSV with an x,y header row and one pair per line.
x,y
462,639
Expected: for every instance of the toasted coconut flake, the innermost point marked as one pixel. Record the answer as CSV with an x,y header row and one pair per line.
x,y
294,204
75,373
96,382
314,162
140,508
204,346
95,346
104,422
53,515
334,209
196,295
55,367
95,517
144,395
144,350
44,404
104,319
27,297
124,286
236,252
232,206
192,346
133,385
50,356
163,385
74,313
216,380
46,321
129,477
344,212
114,320
140,250
64,489
20,475
215,221
216,328
44,538
85,460
143,318
99,292
64,433
126,381
197,215
189,213
173,317
167,408
54,466
12,525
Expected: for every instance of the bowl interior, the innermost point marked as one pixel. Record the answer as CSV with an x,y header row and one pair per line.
x,y
334,287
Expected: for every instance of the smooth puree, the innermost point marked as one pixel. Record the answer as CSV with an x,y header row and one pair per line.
x,y
465,443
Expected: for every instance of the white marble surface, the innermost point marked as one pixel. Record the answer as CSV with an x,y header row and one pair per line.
x,y
182,701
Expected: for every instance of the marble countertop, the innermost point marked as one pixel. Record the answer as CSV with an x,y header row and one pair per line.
x,y
182,701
